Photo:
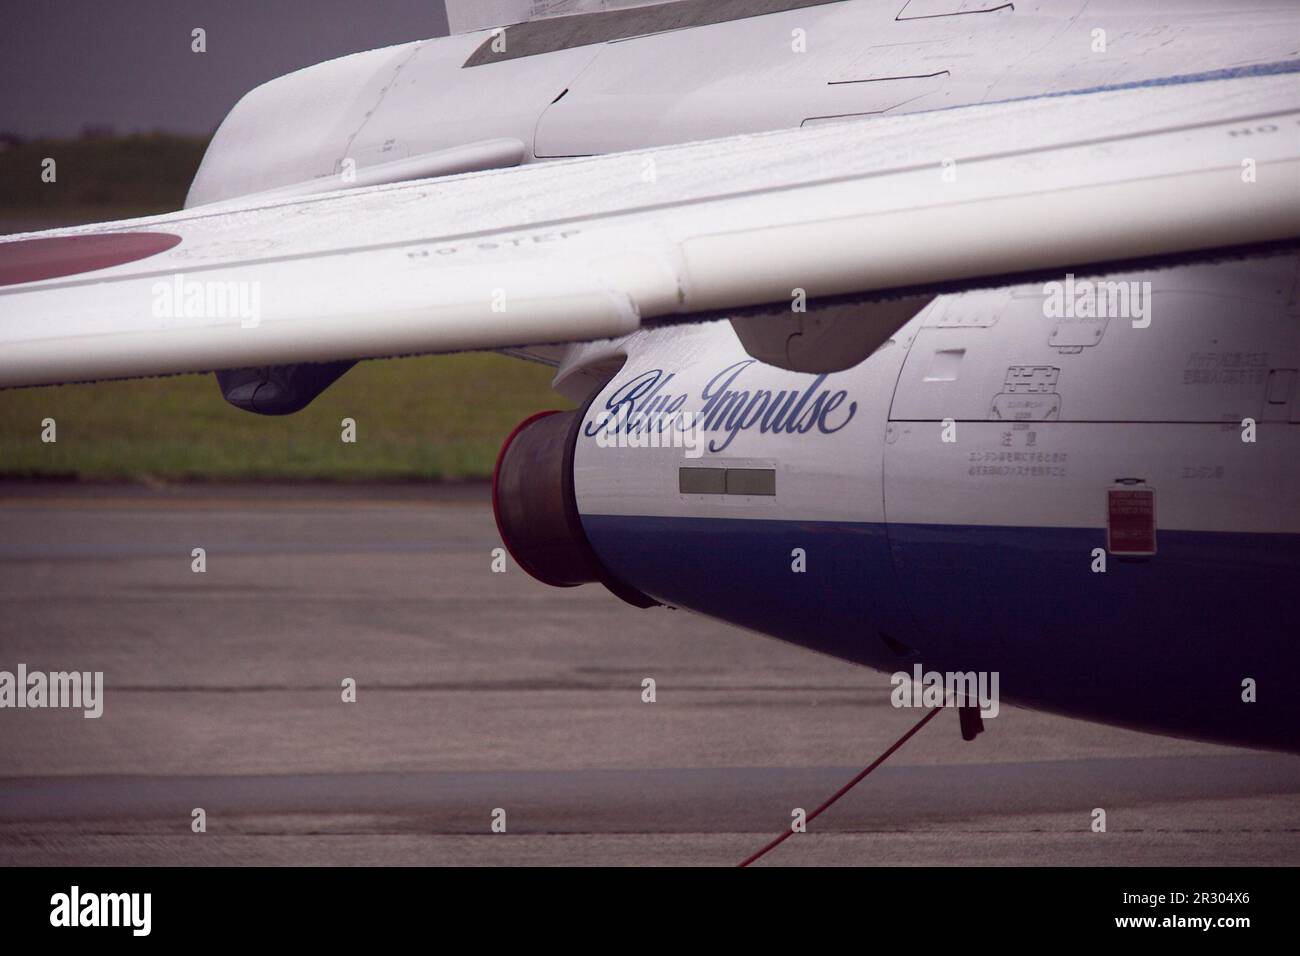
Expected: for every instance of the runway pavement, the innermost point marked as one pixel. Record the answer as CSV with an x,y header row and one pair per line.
x,y
479,691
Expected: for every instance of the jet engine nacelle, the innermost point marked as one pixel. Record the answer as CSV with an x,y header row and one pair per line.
x,y
1102,508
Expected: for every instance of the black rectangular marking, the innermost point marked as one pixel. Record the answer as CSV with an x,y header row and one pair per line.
x,y
702,481
564,33
751,481
726,481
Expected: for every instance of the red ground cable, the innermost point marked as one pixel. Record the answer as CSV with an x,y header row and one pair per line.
x,y
847,787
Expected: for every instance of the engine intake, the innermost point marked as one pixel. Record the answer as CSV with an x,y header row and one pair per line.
x,y
536,508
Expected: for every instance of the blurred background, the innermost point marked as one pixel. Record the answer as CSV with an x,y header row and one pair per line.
x,y
114,93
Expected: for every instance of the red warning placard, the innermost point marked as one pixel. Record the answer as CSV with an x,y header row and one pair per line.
x,y
1131,521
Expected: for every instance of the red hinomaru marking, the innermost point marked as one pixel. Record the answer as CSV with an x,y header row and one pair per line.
x,y
30,260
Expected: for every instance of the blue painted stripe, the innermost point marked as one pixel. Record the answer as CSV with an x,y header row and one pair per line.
x,y
740,570
1160,644
1275,68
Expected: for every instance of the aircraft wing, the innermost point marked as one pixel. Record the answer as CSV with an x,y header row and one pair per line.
x,y
593,247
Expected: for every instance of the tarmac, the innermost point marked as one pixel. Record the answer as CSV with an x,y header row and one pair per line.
x,y
486,697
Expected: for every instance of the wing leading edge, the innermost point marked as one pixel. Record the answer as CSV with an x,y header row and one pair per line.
x,y
590,248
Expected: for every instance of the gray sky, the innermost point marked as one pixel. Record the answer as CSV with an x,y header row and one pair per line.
x,y
65,64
